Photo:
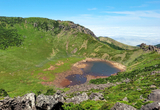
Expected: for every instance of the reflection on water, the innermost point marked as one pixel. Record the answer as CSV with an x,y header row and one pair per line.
x,y
94,68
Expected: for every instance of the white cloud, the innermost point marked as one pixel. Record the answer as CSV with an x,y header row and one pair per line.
x,y
129,35
150,13
134,28
92,9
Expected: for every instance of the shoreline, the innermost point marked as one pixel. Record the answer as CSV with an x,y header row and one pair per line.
x,y
60,78
114,64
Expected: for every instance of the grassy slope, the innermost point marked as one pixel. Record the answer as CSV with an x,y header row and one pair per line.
x,y
17,63
116,43
20,66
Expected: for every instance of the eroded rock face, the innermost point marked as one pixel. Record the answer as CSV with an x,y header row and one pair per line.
x,y
154,95
26,102
149,48
122,106
96,96
77,99
151,106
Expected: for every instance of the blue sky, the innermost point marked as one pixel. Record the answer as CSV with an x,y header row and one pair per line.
x,y
129,21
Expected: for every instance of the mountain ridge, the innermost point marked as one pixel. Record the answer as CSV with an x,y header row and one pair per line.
x,y
34,49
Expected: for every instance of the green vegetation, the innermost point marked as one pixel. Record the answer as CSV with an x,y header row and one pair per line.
x,y
3,93
116,44
158,45
29,46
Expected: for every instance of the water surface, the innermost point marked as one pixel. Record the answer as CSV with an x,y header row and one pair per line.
x,y
95,68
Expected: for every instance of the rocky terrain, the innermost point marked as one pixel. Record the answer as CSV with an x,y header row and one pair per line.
x,y
54,102
149,48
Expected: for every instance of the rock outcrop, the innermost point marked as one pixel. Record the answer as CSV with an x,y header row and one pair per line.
x,y
27,102
151,106
155,72
154,95
149,48
122,106
79,28
45,102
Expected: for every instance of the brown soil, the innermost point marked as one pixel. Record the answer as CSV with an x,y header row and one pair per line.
x,y
65,82
50,68
44,78
60,80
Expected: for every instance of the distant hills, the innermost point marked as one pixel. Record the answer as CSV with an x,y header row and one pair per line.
x,y
158,45
33,51
114,43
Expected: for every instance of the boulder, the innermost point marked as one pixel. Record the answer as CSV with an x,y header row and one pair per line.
x,y
45,102
26,102
96,96
78,99
151,106
154,95
152,86
125,99
122,106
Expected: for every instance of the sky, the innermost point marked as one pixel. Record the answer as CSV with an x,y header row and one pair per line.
x,y
128,21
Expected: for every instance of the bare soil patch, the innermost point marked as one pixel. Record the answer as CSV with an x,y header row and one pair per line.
x,y
60,78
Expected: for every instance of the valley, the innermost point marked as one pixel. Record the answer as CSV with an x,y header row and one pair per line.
x,y
37,54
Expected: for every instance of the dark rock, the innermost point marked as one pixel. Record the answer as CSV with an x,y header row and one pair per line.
x,y
149,48
151,106
122,106
143,45
61,26
154,72
96,96
154,95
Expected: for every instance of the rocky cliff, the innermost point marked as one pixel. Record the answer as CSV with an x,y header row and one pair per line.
x,y
149,48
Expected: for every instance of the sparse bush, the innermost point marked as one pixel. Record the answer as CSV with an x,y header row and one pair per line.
x,y
50,92
3,93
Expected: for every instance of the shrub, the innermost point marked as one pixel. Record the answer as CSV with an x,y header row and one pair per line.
x,y
50,92
3,93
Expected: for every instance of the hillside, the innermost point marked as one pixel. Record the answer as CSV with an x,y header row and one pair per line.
x,y
158,45
34,50
111,41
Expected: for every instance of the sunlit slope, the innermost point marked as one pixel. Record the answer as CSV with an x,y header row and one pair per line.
x,y
40,46
45,42
116,43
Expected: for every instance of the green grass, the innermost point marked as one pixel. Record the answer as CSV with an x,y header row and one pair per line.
x,y
20,67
